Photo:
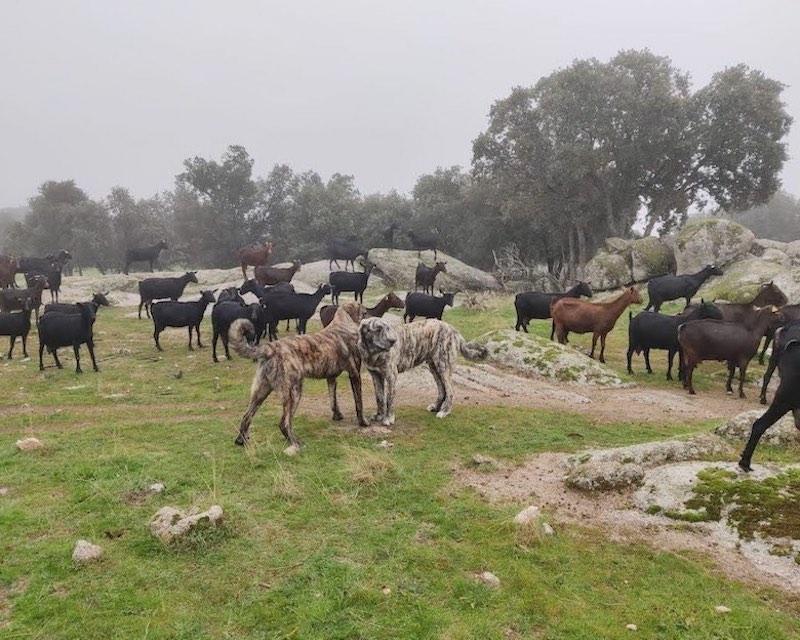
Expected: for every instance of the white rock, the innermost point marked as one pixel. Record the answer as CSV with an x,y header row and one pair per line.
x,y
738,428
482,460
548,530
170,523
384,444
4,491
631,627
85,551
721,608
712,241
157,488
29,444
527,515
489,579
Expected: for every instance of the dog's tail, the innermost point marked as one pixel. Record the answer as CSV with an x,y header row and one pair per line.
x,y
472,350
242,336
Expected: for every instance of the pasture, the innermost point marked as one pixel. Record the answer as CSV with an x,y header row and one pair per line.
x,y
345,540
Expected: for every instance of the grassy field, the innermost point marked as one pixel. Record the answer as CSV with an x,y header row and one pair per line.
x,y
346,540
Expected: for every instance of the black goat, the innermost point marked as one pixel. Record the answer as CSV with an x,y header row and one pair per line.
x,y
299,306
421,304
346,248
162,288
388,234
231,294
787,398
342,281
180,314
424,240
47,263
98,300
651,330
425,277
665,288
58,330
16,299
143,254
16,325
532,305
53,277
783,335
222,317
791,312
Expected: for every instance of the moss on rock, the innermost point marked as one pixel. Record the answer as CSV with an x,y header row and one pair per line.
x,y
711,241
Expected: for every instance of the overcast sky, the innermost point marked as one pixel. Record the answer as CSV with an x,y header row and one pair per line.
x,y
119,92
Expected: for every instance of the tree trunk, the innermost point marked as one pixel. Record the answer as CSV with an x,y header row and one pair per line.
x,y
581,252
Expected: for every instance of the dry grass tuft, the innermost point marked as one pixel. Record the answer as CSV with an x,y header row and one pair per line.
x,y
369,468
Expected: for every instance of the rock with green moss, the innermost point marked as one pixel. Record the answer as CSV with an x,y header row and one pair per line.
x,y
650,258
531,355
618,245
608,271
741,281
762,244
793,250
620,467
738,428
714,241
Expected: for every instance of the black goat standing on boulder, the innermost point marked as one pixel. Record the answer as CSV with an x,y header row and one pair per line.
x,y
665,288
143,254
180,314
346,248
162,288
424,240
343,281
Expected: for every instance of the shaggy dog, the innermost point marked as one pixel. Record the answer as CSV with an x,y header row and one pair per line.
x,y
285,363
388,350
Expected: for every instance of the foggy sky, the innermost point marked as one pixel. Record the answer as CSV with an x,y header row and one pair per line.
x,y
120,92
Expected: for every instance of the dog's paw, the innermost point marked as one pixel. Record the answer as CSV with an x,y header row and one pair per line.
x,y
433,407
241,440
442,414
337,416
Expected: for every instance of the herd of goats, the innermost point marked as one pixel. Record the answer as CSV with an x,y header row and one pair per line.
x,y
354,335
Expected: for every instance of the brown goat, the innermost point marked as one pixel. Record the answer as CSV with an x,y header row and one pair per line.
x,y
254,256
285,363
389,301
425,277
579,316
729,342
8,267
273,275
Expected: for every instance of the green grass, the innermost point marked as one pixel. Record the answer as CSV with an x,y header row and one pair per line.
x,y
310,543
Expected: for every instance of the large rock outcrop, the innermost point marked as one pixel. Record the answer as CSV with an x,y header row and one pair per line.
x,y
741,280
622,262
650,258
715,241
608,271
534,356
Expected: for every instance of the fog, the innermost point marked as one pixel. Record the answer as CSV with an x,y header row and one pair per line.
x,y
120,93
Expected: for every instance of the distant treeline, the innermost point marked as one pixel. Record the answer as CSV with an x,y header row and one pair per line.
x,y
579,156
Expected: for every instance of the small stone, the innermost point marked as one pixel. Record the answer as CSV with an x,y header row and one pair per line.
x,y
85,551
29,444
292,450
720,608
481,460
489,579
157,488
386,591
527,515
548,530
170,523
384,444
631,627
4,491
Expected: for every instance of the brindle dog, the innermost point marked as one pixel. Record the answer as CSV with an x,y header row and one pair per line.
x,y
284,364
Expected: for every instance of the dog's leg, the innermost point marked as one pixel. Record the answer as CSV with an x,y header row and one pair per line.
x,y
442,393
355,384
336,414
258,393
292,392
446,375
389,383
380,396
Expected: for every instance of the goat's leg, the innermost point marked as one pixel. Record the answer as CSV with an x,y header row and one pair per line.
x,y
595,336
767,339
90,347
41,351
214,338
77,349
731,372
157,331
55,357
646,353
336,414
292,392
259,391
191,348
742,374
774,358
358,398
775,412
141,302
603,348
687,383
670,360
11,342
197,334
225,345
